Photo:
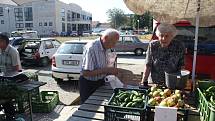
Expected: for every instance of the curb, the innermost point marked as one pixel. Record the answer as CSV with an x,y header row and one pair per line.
x,y
45,73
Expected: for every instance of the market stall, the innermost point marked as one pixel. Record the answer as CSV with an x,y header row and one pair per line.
x,y
98,107
17,85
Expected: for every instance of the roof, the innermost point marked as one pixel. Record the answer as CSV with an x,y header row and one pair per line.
x,y
77,41
38,39
128,35
47,38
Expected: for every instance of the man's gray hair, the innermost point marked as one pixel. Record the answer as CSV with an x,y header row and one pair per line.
x,y
110,32
166,28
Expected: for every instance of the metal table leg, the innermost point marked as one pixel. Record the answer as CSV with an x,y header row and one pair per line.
x,y
30,105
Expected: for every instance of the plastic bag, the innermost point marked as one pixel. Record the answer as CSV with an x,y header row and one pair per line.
x,y
114,81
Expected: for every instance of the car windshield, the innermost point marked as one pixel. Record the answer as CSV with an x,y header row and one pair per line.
x,y
32,44
136,39
71,48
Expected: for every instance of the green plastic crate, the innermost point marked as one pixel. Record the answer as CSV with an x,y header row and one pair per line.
x,y
23,101
48,101
118,113
206,110
203,85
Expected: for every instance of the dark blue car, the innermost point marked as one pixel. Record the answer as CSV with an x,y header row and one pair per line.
x,y
16,41
204,46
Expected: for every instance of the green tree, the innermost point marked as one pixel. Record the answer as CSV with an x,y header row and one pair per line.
x,y
116,17
145,21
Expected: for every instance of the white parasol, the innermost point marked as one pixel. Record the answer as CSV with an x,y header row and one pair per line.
x,y
200,12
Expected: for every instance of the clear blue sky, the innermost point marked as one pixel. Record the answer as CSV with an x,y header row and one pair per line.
x,y
98,8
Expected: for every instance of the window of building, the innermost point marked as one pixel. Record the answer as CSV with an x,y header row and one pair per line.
x,y
28,14
45,24
73,15
50,23
18,14
40,24
19,25
28,25
69,17
1,11
2,21
69,27
63,14
83,17
63,27
78,15
73,27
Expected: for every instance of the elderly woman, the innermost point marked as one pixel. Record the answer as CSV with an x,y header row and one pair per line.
x,y
163,55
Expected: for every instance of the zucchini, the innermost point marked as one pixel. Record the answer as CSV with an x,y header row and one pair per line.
x,y
129,104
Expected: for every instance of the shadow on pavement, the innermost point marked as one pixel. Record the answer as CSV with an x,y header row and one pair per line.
x,y
49,116
36,67
69,86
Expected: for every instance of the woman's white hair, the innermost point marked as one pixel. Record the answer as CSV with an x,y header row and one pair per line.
x,y
166,28
110,32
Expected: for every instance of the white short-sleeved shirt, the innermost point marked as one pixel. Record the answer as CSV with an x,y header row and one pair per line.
x,y
10,58
96,57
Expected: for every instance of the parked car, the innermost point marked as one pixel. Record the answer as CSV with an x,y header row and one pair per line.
x,y
74,34
16,41
205,46
63,34
39,51
86,33
66,62
25,34
131,43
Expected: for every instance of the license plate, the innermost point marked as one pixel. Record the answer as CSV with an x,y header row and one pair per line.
x,y
28,55
71,62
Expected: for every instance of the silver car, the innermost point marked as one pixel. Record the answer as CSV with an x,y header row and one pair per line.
x,y
131,43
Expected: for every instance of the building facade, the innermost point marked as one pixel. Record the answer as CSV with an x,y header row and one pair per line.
x,y
46,17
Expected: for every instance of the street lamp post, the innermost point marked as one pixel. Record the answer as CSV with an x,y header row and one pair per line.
x,y
138,26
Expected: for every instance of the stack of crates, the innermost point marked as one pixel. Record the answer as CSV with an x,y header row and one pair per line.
x,y
206,110
23,101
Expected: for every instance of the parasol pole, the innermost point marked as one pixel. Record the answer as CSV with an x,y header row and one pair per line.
x,y
195,47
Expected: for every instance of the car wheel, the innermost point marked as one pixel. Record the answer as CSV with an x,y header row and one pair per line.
x,y
138,52
44,61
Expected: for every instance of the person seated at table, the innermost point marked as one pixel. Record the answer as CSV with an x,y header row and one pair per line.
x,y
9,62
163,55
99,60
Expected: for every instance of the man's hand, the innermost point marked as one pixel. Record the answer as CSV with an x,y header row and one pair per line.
x,y
144,82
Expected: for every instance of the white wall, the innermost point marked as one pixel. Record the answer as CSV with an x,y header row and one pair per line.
x,y
43,11
8,18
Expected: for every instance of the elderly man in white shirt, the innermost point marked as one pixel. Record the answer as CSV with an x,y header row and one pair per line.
x,y
98,61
